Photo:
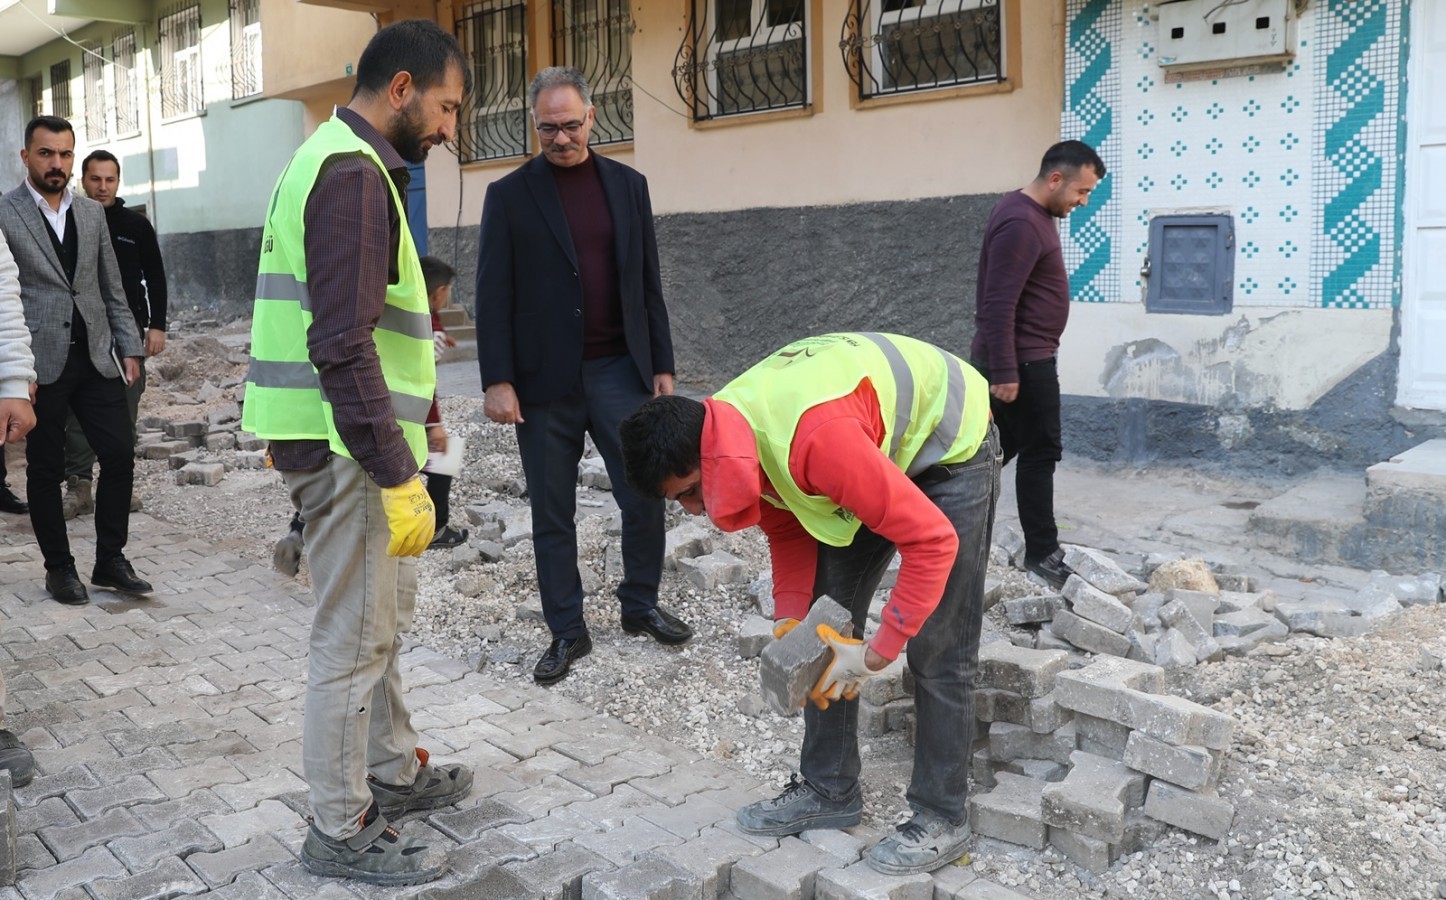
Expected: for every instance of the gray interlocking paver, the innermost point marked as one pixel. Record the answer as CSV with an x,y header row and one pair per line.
x,y
469,824
30,853
163,815
145,850
248,886
560,871
548,794
294,881
689,818
51,812
90,802
486,851
49,883
61,783
547,833
223,866
70,841
267,817
247,794
96,748
623,844
169,878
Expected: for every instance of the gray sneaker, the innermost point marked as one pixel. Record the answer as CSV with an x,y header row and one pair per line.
x,y
799,808
378,854
434,786
924,843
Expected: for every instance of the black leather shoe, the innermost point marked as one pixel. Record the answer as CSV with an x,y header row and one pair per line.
x,y
11,503
558,659
64,585
118,574
665,627
1052,569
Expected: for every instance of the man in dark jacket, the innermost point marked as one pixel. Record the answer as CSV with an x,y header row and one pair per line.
x,y
143,276
572,337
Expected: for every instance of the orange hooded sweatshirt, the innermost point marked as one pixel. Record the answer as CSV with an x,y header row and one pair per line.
x,y
835,452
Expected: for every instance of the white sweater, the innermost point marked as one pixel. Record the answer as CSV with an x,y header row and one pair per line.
x,y
17,366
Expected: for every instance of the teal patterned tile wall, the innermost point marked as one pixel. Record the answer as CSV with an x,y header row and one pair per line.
x,y
1092,101
1360,126
1306,159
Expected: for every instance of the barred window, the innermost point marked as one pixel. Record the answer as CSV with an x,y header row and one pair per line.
x,y
92,65
37,96
493,123
181,62
744,56
245,48
123,76
596,37
60,89
901,46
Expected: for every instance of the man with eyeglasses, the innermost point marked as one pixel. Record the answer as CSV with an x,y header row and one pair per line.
x,y
572,338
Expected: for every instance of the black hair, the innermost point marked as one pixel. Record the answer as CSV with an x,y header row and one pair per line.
x,y
49,123
1068,157
99,156
436,273
419,47
663,439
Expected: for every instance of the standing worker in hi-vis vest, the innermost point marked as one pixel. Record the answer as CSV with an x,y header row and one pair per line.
x,y
843,448
342,375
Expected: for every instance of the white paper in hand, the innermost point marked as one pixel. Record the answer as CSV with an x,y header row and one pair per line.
x,y
449,463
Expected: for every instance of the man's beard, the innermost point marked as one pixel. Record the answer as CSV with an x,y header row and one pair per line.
x,y
406,134
43,185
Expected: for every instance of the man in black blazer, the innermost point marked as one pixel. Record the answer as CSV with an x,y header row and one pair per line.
x,y
85,342
573,337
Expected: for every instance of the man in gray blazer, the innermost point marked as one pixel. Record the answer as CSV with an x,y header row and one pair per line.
x,y
84,340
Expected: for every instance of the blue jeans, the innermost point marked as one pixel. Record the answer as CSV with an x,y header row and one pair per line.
x,y
943,656
550,442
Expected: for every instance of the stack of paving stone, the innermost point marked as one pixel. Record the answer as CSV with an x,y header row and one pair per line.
x,y
1105,610
1093,761
201,451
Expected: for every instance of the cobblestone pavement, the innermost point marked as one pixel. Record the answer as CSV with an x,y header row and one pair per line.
x,y
167,738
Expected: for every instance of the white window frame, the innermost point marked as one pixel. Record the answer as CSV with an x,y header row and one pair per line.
x,y
930,9
760,35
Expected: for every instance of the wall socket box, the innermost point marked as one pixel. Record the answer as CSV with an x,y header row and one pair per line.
x,y
1201,33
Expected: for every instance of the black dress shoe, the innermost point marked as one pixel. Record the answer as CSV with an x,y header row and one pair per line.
x,y
11,503
64,585
117,574
665,627
558,659
1052,569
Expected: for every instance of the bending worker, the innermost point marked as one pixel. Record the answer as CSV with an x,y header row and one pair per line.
x,y
844,448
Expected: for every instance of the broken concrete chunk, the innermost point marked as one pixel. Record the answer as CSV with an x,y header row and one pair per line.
x,y
687,540
1374,601
1202,606
1410,591
707,573
1032,609
1100,571
1177,615
1174,651
1012,543
755,634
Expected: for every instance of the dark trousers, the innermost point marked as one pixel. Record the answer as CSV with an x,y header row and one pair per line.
x,y
99,404
550,441
79,458
943,657
1029,432
439,488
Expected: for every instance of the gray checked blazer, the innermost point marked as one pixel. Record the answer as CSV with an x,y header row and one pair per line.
x,y
47,296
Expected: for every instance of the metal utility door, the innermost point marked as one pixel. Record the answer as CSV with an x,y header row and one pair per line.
x,y
1423,297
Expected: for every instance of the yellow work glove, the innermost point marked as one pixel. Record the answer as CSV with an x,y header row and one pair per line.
x,y
846,672
410,517
783,626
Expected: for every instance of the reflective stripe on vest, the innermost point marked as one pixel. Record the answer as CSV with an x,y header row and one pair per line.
x,y
935,409
284,397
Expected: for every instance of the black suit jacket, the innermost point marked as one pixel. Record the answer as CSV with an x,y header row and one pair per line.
x,y
529,294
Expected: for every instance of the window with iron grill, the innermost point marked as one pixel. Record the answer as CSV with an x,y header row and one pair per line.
x,y
903,46
60,89
92,67
493,122
245,48
181,80
596,38
123,76
744,56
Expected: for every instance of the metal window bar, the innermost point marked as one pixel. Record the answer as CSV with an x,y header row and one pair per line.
x,y
181,81
493,123
37,96
596,38
245,18
901,46
92,67
60,89
743,56
123,75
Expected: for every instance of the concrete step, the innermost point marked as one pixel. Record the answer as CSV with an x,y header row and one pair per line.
x,y
453,317
1313,520
465,349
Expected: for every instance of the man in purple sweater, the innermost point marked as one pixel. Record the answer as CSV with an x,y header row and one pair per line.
x,y
1022,304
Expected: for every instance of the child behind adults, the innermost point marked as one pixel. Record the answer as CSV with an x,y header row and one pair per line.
x,y
438,277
